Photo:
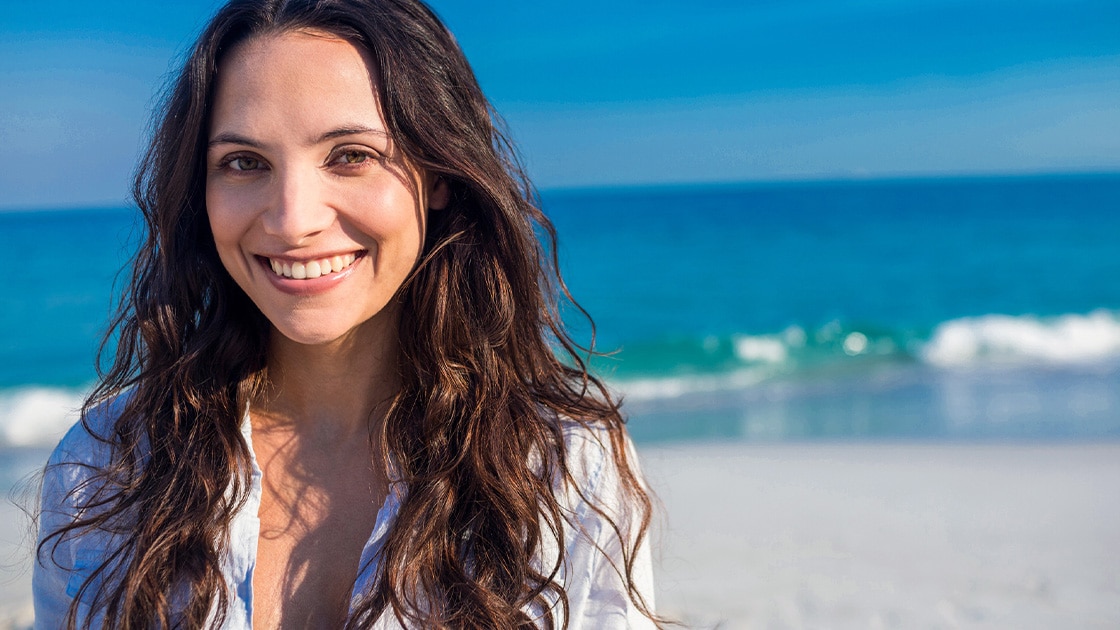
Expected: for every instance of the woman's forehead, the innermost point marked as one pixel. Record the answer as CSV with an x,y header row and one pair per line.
x,y
295,81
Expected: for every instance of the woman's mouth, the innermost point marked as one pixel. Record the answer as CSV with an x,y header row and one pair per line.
x,y
312,268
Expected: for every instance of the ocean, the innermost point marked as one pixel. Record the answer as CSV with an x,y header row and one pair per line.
x,y
939,309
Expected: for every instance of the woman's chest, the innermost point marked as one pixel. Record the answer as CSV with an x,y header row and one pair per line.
x,y
314,524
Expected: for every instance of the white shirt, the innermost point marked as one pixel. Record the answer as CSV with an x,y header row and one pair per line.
x,y
597,594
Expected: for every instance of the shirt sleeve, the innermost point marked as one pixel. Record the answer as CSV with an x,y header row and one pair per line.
x,y
54,562
62,565
597,593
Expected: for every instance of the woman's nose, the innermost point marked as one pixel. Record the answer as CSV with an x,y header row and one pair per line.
x,y
299,208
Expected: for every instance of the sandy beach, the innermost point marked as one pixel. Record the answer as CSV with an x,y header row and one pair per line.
x,y
843,535
15,535
890,536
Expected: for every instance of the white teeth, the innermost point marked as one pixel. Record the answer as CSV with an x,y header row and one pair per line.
x,y
312,268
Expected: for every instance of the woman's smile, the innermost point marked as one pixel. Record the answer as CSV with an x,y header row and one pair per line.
x,y
313,268
311,275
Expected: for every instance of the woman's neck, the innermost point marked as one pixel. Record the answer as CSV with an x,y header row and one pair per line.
x,y
329,392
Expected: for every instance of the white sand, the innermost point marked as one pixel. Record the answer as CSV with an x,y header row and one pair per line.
x,y
864,536
15,563
890,536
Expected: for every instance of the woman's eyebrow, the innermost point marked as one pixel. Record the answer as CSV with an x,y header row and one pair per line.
x,y
233,138
349,130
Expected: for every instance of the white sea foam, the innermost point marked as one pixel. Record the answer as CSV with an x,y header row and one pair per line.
x,y
37,416
760,349
656,388
769,349
1063,340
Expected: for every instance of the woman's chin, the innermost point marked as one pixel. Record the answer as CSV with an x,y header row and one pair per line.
x,y
327,335
304,336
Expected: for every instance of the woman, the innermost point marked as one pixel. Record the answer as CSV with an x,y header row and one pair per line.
x,y
336,399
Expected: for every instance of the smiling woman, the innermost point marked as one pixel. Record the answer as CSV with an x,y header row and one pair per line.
x,y
339,398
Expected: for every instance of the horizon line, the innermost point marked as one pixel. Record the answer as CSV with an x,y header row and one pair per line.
x,y
793,180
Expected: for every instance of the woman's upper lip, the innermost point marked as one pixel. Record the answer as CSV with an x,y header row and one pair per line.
x,y
306,258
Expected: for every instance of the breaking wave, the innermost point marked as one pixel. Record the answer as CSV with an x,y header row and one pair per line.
x,y
37,416
741,361
1062,340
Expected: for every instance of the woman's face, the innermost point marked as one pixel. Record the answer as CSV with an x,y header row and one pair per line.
x,y
314,214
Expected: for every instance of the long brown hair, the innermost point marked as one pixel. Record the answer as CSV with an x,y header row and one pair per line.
x,y
486,366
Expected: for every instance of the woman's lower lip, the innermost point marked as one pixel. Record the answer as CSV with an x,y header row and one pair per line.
x,y
311,286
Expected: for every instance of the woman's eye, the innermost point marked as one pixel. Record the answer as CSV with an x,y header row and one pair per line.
x,y
245,163
353,157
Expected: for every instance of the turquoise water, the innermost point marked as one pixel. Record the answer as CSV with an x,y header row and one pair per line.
x,y
666,272
970,308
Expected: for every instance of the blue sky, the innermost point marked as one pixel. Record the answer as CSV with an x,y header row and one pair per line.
x,y
617,92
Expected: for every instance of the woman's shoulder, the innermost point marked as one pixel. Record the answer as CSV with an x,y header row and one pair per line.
x,y
588,449
594,456
88,441
85,450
